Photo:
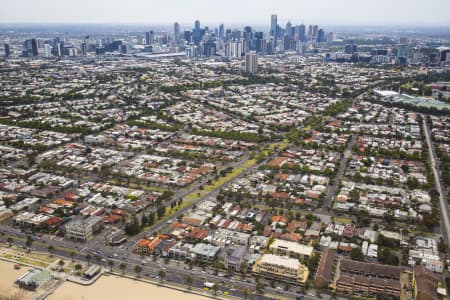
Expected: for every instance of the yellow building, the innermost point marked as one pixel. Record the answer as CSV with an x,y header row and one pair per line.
x,y
281,268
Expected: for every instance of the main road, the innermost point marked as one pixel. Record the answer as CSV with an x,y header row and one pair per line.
x,y
437,179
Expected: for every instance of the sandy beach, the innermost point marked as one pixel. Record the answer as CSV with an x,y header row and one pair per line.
x,y
118,288
8,276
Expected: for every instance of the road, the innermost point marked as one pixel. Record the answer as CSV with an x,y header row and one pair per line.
x,y
335,181
437,180
123,254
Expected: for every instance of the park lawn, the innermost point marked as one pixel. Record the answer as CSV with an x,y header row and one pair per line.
x,y
42,257
138,186
42,263
170,212
33,262
342,220
221,181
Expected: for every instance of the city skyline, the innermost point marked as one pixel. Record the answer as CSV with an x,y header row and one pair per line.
x,y
345,12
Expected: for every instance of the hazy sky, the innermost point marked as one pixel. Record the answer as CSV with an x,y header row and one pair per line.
x,y
347,12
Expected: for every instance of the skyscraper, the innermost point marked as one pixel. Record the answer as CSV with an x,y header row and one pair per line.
x,y
321,36
315,32
251,62
7,51
30,48
221,31
47,50
289,31
149,37
83,49
197,25
196,33
188,36
302,33
258,42
273,26
176,31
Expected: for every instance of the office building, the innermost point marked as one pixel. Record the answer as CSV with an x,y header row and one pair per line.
x,y
205,253
291,249
274,27
7,51
196,33
47,50
30,48
251,62
188,36
176,32
258,43
221,31
209,48
149,37
83,49
302,33
321,36
83,229
289,30
281,268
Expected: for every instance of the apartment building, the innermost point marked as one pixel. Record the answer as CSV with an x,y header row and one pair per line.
x,y
281,268
368,279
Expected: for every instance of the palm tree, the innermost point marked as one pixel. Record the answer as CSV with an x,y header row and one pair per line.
x,y
122,267
111,264
137,269
245,293
88,258
50,250
29,241
215,287
98,258
161,275
78,268
189,281
72,255
9,240
61,264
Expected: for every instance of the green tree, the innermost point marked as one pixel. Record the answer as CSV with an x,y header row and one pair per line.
x,y
122,267
162,275
61,264
137,270
189,281
78,268
215,287
111,265
88,258
50,250
29,241
357,254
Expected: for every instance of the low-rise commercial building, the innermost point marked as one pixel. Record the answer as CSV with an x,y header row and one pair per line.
x,y
205,252
84,229
291,249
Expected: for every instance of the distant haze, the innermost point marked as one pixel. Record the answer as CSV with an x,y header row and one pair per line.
x,y
338,12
